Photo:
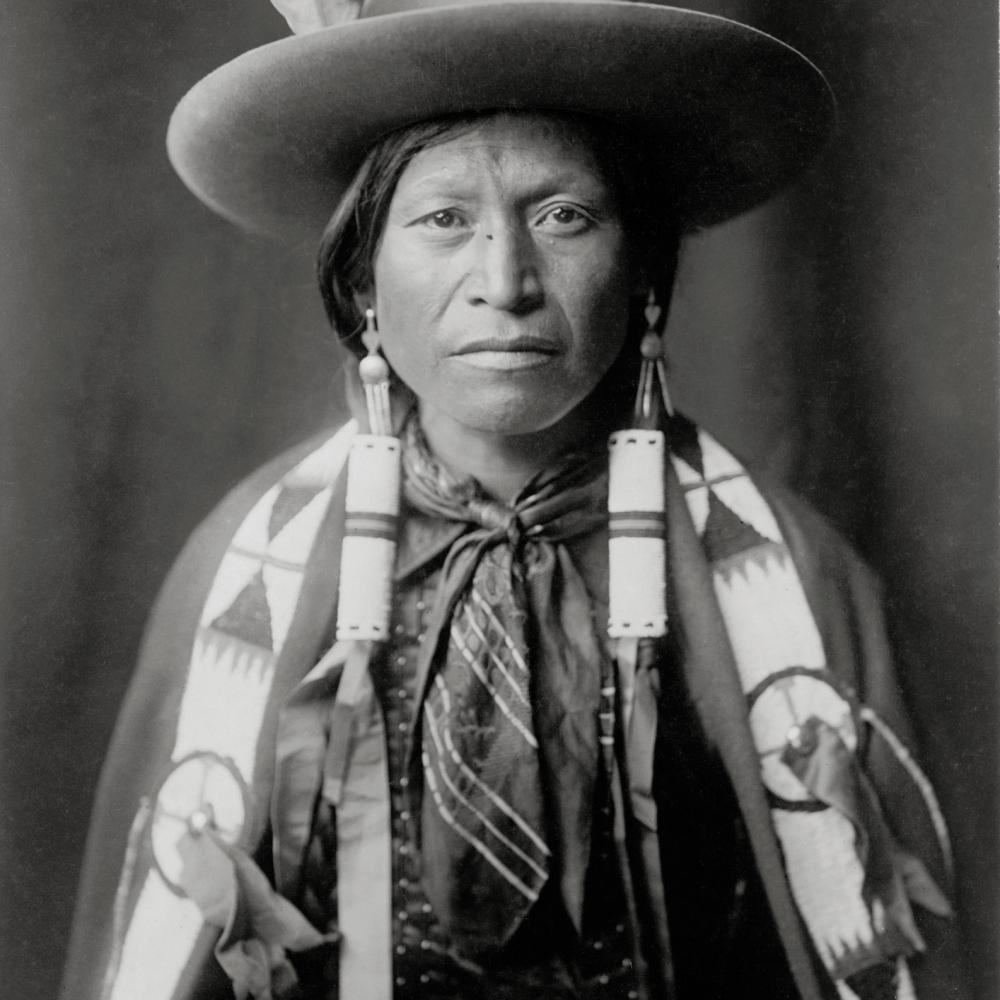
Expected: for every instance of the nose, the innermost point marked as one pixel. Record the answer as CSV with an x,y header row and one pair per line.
x,y
505,270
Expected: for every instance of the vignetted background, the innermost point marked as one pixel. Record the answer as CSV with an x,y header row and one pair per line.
x,y
844,337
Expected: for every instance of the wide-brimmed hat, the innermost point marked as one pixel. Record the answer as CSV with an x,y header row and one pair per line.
x,y
272,139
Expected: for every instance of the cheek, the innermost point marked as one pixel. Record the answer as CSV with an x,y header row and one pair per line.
x,y
597,305
406,305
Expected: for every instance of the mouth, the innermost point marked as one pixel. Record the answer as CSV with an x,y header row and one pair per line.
x,y
508,353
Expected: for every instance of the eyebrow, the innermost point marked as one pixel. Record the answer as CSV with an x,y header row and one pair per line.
x,y
459,188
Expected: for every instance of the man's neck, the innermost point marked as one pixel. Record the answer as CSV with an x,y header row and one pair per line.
x,y
501,463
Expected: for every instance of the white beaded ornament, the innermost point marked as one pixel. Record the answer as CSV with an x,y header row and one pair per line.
x,y
637,589
372,508
637,603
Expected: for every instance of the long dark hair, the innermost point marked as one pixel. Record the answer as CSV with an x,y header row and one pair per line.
x,y
345,263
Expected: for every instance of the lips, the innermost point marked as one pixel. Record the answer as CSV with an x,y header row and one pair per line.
x,y
508,354
509,345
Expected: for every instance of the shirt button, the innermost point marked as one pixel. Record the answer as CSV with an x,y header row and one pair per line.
x,y
420,637
402,693
400,949
404,782
403,883
400,980
400,661
404,817
402,915
402,727
398,629
404,848
421,606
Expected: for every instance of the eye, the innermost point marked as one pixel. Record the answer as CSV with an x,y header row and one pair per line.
x,y
566,219
446,218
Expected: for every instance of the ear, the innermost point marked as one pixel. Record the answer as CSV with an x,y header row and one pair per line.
x,y
640,280
639,291
364,300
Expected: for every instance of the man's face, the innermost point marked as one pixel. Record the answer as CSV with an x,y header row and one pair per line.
x,y
501,279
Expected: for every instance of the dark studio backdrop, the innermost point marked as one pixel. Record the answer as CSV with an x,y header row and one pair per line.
x,y
843,338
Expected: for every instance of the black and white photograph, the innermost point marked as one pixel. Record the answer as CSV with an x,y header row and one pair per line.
x,y
500,500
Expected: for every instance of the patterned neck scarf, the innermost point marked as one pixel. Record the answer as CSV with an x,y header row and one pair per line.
x,y
510,677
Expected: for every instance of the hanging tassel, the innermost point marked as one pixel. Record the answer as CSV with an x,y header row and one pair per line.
x,y
637,591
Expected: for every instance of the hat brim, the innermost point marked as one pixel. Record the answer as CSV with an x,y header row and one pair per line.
x,y
271,140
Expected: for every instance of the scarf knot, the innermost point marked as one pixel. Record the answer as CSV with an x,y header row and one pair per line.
x,y
499,519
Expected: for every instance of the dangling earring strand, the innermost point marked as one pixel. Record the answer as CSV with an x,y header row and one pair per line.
x,y
654,368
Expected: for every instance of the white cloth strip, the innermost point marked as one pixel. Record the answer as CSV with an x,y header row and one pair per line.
x,y
171,923
905,989
364,857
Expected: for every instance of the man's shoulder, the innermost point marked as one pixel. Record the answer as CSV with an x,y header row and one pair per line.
x,y
816,543
225,518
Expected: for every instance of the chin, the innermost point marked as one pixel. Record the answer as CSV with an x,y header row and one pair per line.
x,y
510,417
